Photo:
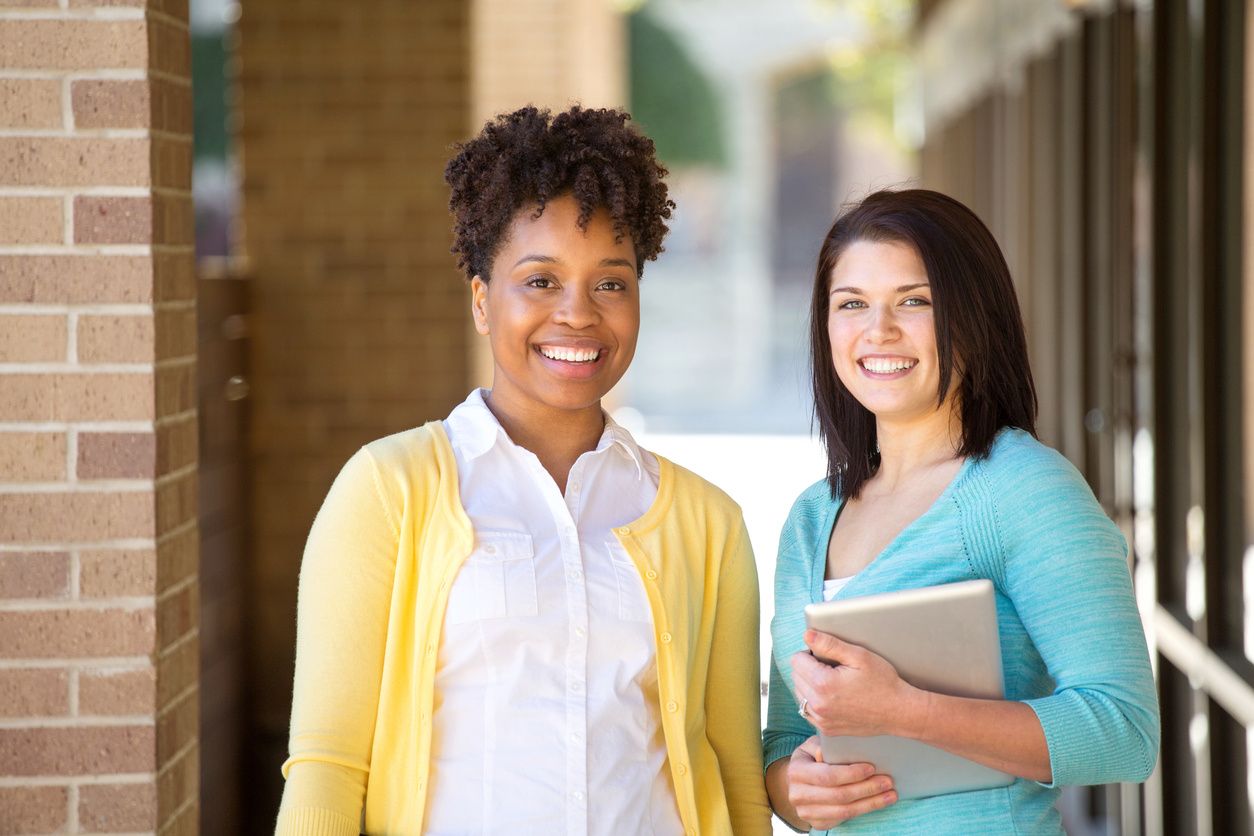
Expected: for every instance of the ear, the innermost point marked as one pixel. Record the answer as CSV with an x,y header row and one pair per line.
x,y
479,304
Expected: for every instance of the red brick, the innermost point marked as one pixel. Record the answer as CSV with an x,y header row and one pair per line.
x,y
34,575
100,103
116,455
124,572
34,692
33,809
113,808
87,750
113,220
117,692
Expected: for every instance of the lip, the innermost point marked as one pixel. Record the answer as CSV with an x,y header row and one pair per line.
x,y
571,370
900,373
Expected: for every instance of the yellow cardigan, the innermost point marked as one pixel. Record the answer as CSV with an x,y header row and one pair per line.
x,y
381,557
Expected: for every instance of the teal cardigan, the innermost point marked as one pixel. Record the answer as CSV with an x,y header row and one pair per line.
x,y
1071,640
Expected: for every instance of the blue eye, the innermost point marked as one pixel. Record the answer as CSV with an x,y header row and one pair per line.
x,y
851,304
916,302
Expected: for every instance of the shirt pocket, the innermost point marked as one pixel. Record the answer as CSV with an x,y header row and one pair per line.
x,y
633,604
498,579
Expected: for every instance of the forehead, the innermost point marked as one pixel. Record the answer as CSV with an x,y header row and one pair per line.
x,y
556,233
872,262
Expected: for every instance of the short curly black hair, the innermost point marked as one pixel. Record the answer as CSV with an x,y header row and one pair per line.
x,y
531,156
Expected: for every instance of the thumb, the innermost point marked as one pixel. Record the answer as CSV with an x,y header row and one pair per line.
x,y
829,648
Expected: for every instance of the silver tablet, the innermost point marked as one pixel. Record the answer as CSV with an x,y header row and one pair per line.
x,y
940,638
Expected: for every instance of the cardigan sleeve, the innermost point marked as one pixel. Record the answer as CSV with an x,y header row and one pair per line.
x,y
733,698
341,625
785,728
1066,572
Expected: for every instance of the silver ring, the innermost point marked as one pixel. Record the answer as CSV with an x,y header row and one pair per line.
x,y
802,711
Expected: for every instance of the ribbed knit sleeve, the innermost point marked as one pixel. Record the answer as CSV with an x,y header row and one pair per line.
x,y
341,626
1066,571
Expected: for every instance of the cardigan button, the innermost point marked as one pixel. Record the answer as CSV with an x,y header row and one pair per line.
x,y
672,706
666,638
651,575
625,530
682,769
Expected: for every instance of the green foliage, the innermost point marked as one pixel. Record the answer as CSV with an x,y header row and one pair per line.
x,y
671,97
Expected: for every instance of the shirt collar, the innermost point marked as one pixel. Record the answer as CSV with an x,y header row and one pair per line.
x,y
476,430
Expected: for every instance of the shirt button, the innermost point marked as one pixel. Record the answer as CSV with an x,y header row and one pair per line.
x,y
650,574
576,687
578,796
574,574
490,549
579,631
672,706
574,738
666,638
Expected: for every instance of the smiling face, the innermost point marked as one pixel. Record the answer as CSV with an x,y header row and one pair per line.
x,y
882,332
561,311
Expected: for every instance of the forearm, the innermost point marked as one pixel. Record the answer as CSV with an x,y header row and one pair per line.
x,y
1001,734
777,791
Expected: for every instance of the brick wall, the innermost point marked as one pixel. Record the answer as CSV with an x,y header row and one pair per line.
x,y
98,687
358,321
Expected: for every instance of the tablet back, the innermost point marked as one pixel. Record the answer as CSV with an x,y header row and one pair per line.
x,y
939,638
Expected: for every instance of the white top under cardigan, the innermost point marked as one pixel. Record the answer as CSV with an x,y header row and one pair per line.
x,y
546,715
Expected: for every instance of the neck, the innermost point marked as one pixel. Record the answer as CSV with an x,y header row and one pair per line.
x,y
908,447
556,436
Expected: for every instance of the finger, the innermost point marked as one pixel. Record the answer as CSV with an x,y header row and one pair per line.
x,y
802,792
827,646
807,669
825,817
812,748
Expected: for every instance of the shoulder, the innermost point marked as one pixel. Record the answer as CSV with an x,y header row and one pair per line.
x,y
811,507
698,493
1021,471
402,465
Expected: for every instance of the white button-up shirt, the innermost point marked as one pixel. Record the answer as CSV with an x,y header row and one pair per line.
x,y
547,717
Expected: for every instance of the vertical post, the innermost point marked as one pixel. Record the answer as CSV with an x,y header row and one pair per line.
x,y
98,561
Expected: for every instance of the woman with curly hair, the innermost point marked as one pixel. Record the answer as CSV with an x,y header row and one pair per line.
x,y
516,620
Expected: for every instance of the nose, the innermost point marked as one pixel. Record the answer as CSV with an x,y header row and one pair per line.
x,y
577,309
883,325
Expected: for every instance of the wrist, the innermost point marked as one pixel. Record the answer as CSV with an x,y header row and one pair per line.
x,y
912,719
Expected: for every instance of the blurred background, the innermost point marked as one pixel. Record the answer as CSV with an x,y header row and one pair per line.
x,y
1104,142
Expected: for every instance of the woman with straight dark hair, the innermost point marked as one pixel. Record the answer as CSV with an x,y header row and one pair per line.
x,y
925,402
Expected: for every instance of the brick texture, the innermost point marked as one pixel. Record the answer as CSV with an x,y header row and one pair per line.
x,y
96,227
34,692
110,104
32,457
129,692
116,455
31,220
34,575
33,809
117,573
115,808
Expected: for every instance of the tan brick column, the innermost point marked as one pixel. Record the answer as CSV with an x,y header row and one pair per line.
x,y
98,564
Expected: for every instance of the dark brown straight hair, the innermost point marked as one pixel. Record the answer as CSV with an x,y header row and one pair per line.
x,y
976,315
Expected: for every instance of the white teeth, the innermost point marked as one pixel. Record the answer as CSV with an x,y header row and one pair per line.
x,y
880,365
570,355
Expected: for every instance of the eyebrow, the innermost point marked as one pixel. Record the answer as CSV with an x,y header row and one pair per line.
x,y
905,288
548,259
